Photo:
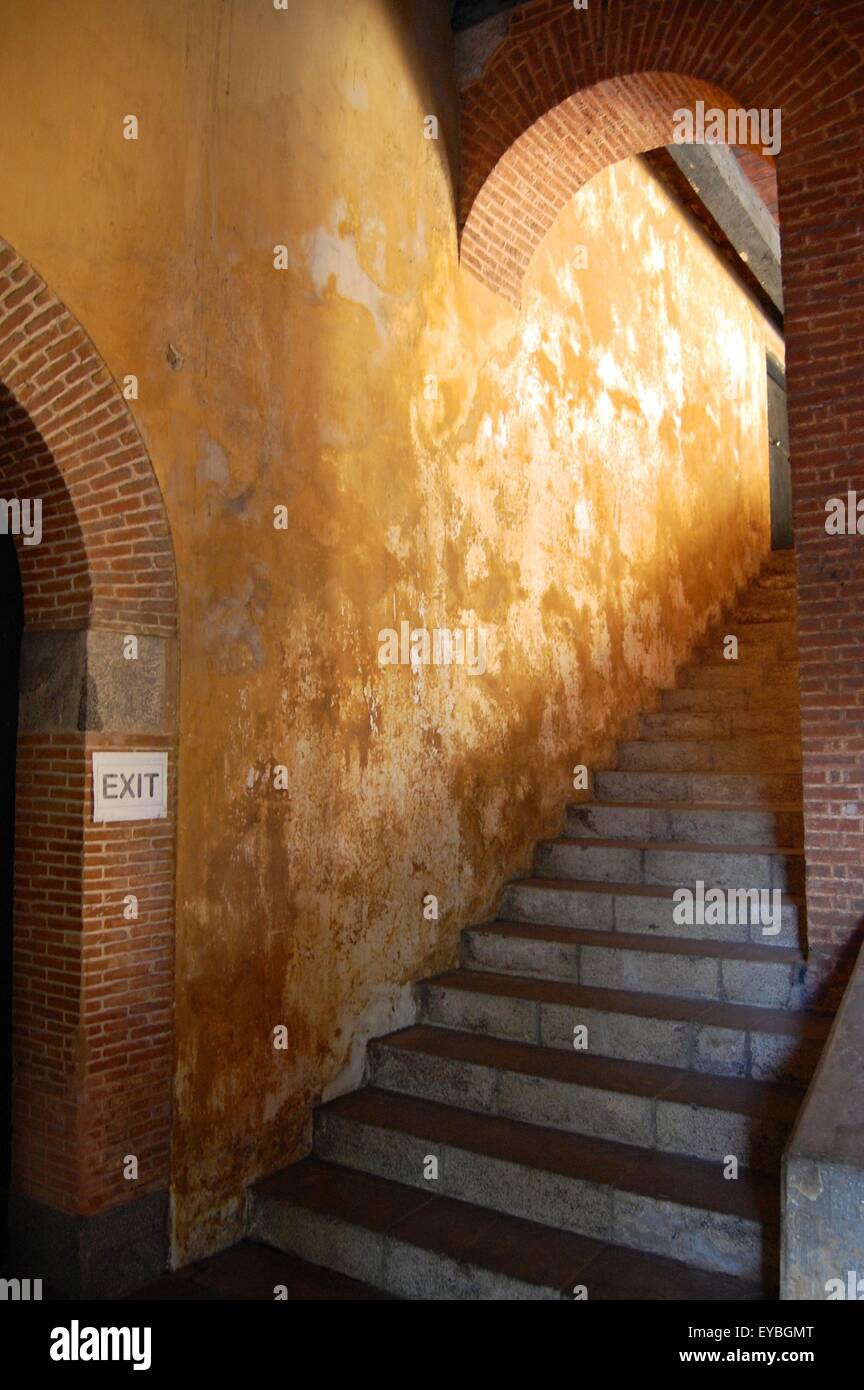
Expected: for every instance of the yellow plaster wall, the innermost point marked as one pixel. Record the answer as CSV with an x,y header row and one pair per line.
x,y
585,479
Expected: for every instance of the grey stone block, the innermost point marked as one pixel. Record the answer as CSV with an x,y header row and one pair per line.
x,y
685,724
320,1238
421,1274
778,1057
511,955
560,907
613,822
712,1134
730,675
719,1051
642,786
740,754
664,755
627,1036
791,931
772,788
654,916
80,680
597,863
682,868
729,700
569,1203
579,1109
444,1079
53,681
734,827
103,1256
755,982
654,974
823,1230
709,1240
823,1179
494,1014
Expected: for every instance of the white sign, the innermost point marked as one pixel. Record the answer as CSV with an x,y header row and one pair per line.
x,y
130,786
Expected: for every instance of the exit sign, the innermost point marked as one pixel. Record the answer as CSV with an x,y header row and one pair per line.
x,y
130,786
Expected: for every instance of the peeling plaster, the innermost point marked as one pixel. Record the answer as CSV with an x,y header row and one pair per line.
x,y
334,266
388,1010
589,484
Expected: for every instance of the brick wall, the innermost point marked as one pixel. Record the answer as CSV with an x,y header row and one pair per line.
x,y
127,988
568,91
93,991
49,853
66,435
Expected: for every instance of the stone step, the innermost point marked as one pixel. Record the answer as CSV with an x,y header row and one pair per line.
x,y
703,1035
669,863
717,724
751,653
778,587
765,788
672,821
775,580
783,698
253,1271
768,611
727,675
562,1166
421,1246
783,582
709,755
756,632
763,641
634,1197
658,1107
779,564
649,908
732,972
766,606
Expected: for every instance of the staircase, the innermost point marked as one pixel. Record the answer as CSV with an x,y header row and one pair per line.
x,y
599,1172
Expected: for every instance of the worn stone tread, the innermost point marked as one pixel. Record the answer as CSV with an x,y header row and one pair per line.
x,y
604,886
705,947
733,807
249,1272
768,1099
507,1245
788,1022
683,1073
674,846
686,1181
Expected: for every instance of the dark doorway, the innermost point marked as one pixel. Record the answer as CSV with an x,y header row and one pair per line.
x,y
778,459
11,625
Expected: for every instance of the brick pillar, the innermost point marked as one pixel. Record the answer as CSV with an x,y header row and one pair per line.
x,y
93,987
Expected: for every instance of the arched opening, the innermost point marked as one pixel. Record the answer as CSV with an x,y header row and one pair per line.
x,y
507,213
11,627
514,195
92,989
545,53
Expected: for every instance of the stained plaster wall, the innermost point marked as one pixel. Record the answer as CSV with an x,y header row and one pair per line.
x,y
585,479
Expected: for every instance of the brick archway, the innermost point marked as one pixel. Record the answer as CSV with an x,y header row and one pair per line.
x,y
550,161
564,92
93,987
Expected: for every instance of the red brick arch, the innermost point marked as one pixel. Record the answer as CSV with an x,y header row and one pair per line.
x,y
93,990
551,160
67,436
567,91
